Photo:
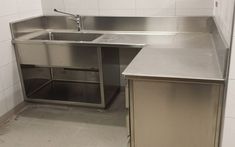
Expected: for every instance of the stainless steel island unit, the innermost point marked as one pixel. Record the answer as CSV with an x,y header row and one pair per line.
x,y
175,95
169,110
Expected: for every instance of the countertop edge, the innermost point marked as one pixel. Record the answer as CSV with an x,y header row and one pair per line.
x,y
183,79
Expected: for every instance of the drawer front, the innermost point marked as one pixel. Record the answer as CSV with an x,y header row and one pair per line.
x,y
58,55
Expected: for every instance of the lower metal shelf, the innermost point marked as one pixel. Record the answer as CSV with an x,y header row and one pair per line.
x,y
68,91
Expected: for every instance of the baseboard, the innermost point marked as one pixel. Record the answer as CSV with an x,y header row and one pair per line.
x,y
7,116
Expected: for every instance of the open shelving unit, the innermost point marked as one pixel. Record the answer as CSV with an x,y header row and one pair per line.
x,y
94,82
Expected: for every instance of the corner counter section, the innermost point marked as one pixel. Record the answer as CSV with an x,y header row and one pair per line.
x,y
176,63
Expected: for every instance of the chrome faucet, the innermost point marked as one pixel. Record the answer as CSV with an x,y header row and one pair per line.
x,y
77,18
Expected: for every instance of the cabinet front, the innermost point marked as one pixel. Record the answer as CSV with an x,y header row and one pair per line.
x,y
58,55
171,114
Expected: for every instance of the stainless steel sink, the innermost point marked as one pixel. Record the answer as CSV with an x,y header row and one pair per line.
x,y
67,36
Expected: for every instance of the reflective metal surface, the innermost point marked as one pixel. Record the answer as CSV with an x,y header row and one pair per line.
x,y
160,24
141,24
111,72
53,42
67,36
58,55
222,49
180,114
69,91
36,24
181,63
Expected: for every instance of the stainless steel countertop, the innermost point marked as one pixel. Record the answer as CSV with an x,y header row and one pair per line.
x,y
164,55
176,55
173,40
179,63
180,56
166,39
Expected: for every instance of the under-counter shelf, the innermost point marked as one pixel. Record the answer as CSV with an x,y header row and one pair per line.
x,y
90,79
68,91
62,84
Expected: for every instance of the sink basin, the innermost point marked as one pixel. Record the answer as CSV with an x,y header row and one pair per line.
x,y
67,36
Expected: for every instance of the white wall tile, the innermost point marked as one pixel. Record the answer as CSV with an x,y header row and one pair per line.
x,y
194,7
229,133
151,4
232,64
13,96
4,26
194,4
81,4
50,12
155,12
29,5
31,13
50,5
8,7
194,12
10,74
7,53
117,12
12,10
94,12
117,4
131,7
223,16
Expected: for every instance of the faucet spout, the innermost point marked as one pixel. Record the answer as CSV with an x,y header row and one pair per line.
x,y
76,17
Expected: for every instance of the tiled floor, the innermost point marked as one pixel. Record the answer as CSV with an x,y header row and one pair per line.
x,y
62,126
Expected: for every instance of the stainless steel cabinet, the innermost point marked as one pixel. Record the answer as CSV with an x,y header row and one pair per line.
x,y
69,73
174,113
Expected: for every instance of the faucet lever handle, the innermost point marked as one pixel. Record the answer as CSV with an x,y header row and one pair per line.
x,y
76,17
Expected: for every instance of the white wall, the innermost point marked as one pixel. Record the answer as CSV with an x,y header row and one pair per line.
x,y
223,16
131,7
229,126
10,89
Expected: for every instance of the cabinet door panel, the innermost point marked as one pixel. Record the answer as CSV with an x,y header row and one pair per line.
x,y
168,114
